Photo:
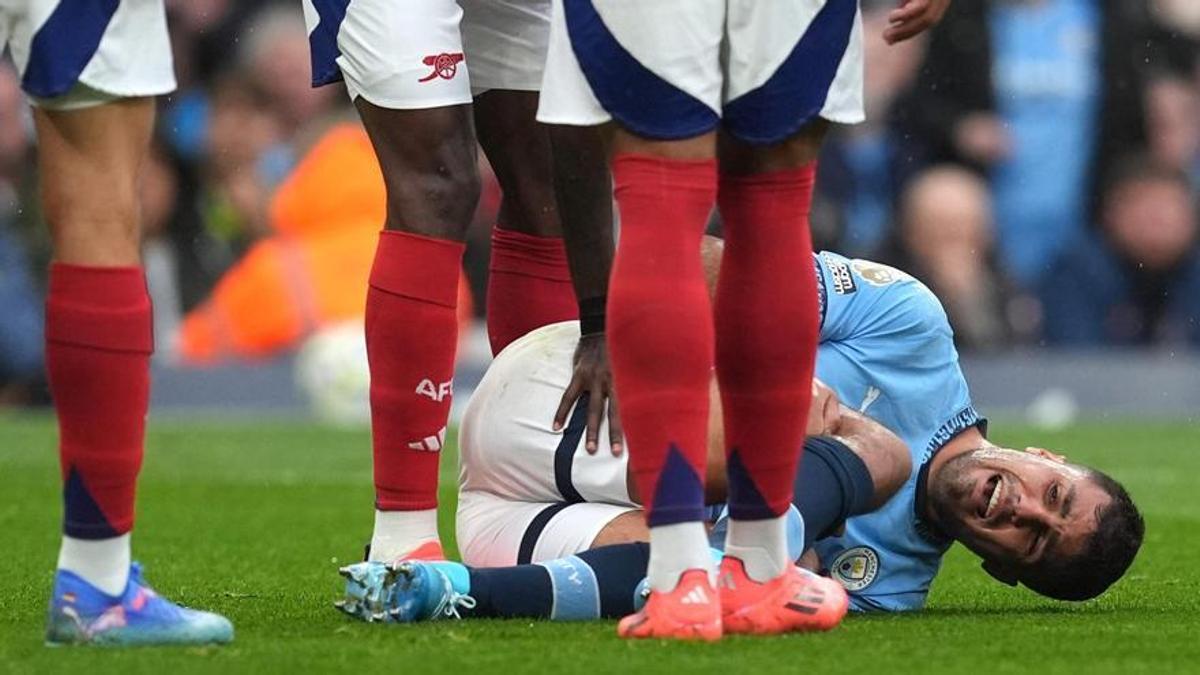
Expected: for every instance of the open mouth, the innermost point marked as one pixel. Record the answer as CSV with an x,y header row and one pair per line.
x,y
991,496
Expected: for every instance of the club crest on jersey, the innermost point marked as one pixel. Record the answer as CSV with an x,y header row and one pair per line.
x,y
856,568
877,275
444,66
843,281
435,392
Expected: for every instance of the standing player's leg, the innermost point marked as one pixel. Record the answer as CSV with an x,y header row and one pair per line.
x,y
659,322
98,345
791,64
767,330
428,159
529,282
661,338
403,65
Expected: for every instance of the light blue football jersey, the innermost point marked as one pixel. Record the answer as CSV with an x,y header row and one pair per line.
x,y
888,351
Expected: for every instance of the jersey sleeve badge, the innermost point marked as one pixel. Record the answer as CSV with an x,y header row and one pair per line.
x,y
876,274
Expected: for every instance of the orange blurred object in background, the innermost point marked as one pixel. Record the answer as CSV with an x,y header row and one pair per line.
x,y
313,271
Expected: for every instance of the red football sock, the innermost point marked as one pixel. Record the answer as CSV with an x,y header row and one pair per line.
x,y
412,335
99,338
660,329
529,286
767,330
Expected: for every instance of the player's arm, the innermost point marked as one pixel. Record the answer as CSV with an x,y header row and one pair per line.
x,y
583,191
858,466
886,456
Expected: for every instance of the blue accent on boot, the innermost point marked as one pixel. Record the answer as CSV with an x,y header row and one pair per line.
x,y
458,574
402,592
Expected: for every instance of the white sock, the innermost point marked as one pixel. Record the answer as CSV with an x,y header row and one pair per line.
x,y
103,563
761,545
399,532
674,549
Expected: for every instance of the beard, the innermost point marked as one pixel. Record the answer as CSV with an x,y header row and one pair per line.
x,y
952,486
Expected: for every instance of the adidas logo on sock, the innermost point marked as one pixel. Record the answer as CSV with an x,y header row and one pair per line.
x,y
430,443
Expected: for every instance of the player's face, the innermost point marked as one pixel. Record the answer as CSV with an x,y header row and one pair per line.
x,y
1017,509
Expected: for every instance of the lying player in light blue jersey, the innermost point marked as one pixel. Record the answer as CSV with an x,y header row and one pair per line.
x,y
530,494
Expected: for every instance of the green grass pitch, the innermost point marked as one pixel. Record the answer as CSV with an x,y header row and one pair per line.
x,y
252,519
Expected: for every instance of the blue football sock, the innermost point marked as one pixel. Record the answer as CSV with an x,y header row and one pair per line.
x,y
601,583
509,592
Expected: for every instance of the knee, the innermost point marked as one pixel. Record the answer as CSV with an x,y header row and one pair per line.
x,y
452,185
102,231
435,199
800,149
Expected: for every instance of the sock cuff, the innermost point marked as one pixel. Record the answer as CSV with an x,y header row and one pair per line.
x,y
99,307
699,176
417,267
529,255
99,287
802,176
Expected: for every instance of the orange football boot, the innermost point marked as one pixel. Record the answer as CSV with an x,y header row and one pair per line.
x,y
795,601
690,612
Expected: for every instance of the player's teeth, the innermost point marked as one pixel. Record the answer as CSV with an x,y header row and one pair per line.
x,y
995,497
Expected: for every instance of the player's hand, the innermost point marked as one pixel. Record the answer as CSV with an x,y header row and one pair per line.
x,y
593,376
824,411
912,18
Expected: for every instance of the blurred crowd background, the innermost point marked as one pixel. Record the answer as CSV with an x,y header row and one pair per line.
x,y
1035,162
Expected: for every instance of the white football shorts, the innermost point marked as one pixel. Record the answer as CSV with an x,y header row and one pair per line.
x,y
498,532
528,492
72,54
671,69
505,42
420,54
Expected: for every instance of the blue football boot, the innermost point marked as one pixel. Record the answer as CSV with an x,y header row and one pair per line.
x,y
82,614
402,592
367,591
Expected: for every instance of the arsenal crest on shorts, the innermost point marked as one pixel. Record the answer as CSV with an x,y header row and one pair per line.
x,y
444,65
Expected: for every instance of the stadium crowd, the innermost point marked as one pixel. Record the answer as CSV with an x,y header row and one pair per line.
x,y
1051,202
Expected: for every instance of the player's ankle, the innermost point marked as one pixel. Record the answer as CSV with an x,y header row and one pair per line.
x,y
761,546
103,563
675,549
398,533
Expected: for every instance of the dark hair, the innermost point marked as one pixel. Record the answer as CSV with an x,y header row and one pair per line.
x,y
1108,553
1142,168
